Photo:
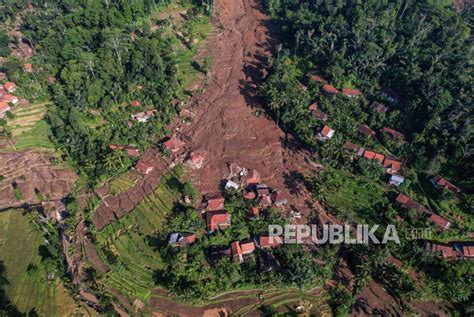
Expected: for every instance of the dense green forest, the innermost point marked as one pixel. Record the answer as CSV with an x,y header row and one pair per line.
x,y
101,56
420,49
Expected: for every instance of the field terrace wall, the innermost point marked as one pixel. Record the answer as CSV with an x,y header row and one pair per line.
x,y
115,207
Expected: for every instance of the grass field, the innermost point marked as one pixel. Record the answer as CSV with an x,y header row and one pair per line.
x,y
127,238
29,129
28,288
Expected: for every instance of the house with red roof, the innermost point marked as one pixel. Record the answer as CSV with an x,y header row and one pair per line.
x,y
313,106
195,160
264,201
330,90
370,155
379,157
408,203
9,86
466,249
378,107
442,183
173,144
351,93
28,67
253,213
325,133
132,152
114,147
446,251
135,103
442,223
4,107
217,219
252,177
394,134
265,241
10,99
365,130
215,202
182,239
392,165
240,249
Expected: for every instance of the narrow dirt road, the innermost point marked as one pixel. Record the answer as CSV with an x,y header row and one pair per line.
x,y
226,129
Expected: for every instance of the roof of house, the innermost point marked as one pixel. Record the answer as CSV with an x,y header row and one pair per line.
x,y
215,202
468,250
378,107
351,92
133,152
9,97
330,89
407,202
265,241
396,177
217,218
252,177
391,163
442,182
182,238
318,114
114,147
369,155
440,221
315,77
173,143
365,130
28,66
446,251
9,85
236,248
253,212
135,103
247,246
390,93
4,107
326,130
351,147
379,157
143,167
394,133
313,106
264,201
279,198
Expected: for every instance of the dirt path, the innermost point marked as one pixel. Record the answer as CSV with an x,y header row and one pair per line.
x,y
226,129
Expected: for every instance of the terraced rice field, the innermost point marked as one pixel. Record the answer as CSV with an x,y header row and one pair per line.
x,y
128,239
121,183
28,288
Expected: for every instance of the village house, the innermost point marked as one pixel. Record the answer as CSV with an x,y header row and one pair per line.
x,y
279,198
374,156
466,249
330,90
217,219
143,167
28,67
396,180
351,147
241,249
392,165
195,160
231,185
252,177
318,114
264,201
442,223
250,194
408,203
10,99
351,93
262,190
313,106
390,95
132,151
325,133
446,251
182,238
143,116
214,202
315,77
378,107
9,86
4,107
135,103
253,213
394,135
173,144
265,241
185,113
441,183
365,130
